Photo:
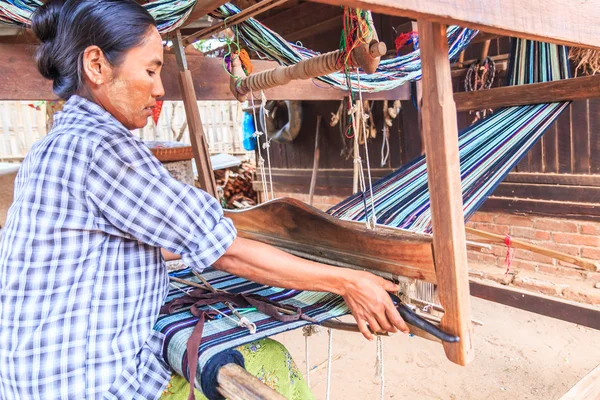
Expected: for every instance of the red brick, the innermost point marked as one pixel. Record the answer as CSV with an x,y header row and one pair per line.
x,y
514,220
520,232
567,270
524,265
593,276
589,296
499,251
542,235
589,228
487,259
581,240
590,252
482,217
497,229
556,225
547,269
538,285
565,248
531,256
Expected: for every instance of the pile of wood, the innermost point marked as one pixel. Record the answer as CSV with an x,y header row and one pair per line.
x,y
235,186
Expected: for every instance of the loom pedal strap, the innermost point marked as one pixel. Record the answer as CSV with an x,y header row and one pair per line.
x,y
200,297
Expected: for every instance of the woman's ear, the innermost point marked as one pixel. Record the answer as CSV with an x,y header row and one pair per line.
x,y
95,66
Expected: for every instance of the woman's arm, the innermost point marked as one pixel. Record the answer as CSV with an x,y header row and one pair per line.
x,y
168,256
364,293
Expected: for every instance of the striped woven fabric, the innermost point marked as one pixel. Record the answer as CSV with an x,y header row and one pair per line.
x,y
488,150
224,333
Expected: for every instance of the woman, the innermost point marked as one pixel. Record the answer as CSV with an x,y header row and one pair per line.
x,y
82,277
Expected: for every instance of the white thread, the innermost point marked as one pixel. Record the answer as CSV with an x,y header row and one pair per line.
x,y
385,145
246,323
263,108
307,362
329,361
373,223
261,160
379,368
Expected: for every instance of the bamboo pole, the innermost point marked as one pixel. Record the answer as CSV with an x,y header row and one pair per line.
x,y
582,263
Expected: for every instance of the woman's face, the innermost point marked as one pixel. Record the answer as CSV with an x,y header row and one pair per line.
x,y
130,90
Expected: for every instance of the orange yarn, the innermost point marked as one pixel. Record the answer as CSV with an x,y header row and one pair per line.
x,y
246,64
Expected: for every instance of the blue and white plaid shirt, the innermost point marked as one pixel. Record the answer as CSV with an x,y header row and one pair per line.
x,y
82,277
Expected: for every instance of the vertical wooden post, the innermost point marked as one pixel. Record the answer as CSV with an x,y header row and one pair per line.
x,y
440,134
206,178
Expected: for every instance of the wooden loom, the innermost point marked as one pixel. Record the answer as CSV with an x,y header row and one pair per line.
x,y
562,24
295,226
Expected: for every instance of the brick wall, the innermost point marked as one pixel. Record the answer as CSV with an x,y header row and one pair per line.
x,y
528,270
573,237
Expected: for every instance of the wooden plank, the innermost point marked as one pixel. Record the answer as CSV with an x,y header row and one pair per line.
x,y
562,193
206,177
565,142
582,211
581,88
20,80
202,8
554,179
440,135
291,225
550,149
570,311
554,21
594,136
235,383
243,15
580,131
586,389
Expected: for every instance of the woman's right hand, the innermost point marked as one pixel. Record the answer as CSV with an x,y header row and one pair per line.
x,y
366,296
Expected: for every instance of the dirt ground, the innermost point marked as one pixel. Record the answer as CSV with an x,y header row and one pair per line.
x,y
519,355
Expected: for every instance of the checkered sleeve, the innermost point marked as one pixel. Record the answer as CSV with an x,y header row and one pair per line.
x,y
155,209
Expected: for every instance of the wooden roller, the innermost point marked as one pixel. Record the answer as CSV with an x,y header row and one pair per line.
x,y
366,56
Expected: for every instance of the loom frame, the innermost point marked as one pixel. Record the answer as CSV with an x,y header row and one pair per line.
x,y
500,20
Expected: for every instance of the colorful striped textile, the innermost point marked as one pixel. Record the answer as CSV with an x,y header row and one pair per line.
x,y
169,14
390,73
488,150
224,333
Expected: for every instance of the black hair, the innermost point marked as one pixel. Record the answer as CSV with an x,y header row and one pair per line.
x,y
66,28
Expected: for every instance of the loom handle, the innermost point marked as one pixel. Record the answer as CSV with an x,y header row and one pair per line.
x,y
411,317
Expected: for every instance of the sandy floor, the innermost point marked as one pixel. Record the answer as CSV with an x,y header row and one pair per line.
x,y
519,355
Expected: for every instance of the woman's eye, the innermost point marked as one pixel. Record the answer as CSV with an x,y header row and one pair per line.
x,y
151,73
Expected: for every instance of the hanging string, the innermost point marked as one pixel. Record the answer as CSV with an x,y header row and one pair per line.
x,y
379,372
371,222
329,363
267,144
261,161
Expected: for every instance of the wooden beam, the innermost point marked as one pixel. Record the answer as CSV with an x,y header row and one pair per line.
x,y
20,80
586,389
243,15
206,177
440,134
585,87
565,310
202,8
555,21
235,383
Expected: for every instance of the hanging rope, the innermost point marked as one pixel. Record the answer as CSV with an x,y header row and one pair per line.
x,y
329,363
379,373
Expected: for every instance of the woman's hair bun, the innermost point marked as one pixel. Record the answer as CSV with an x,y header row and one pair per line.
x,y
45,20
